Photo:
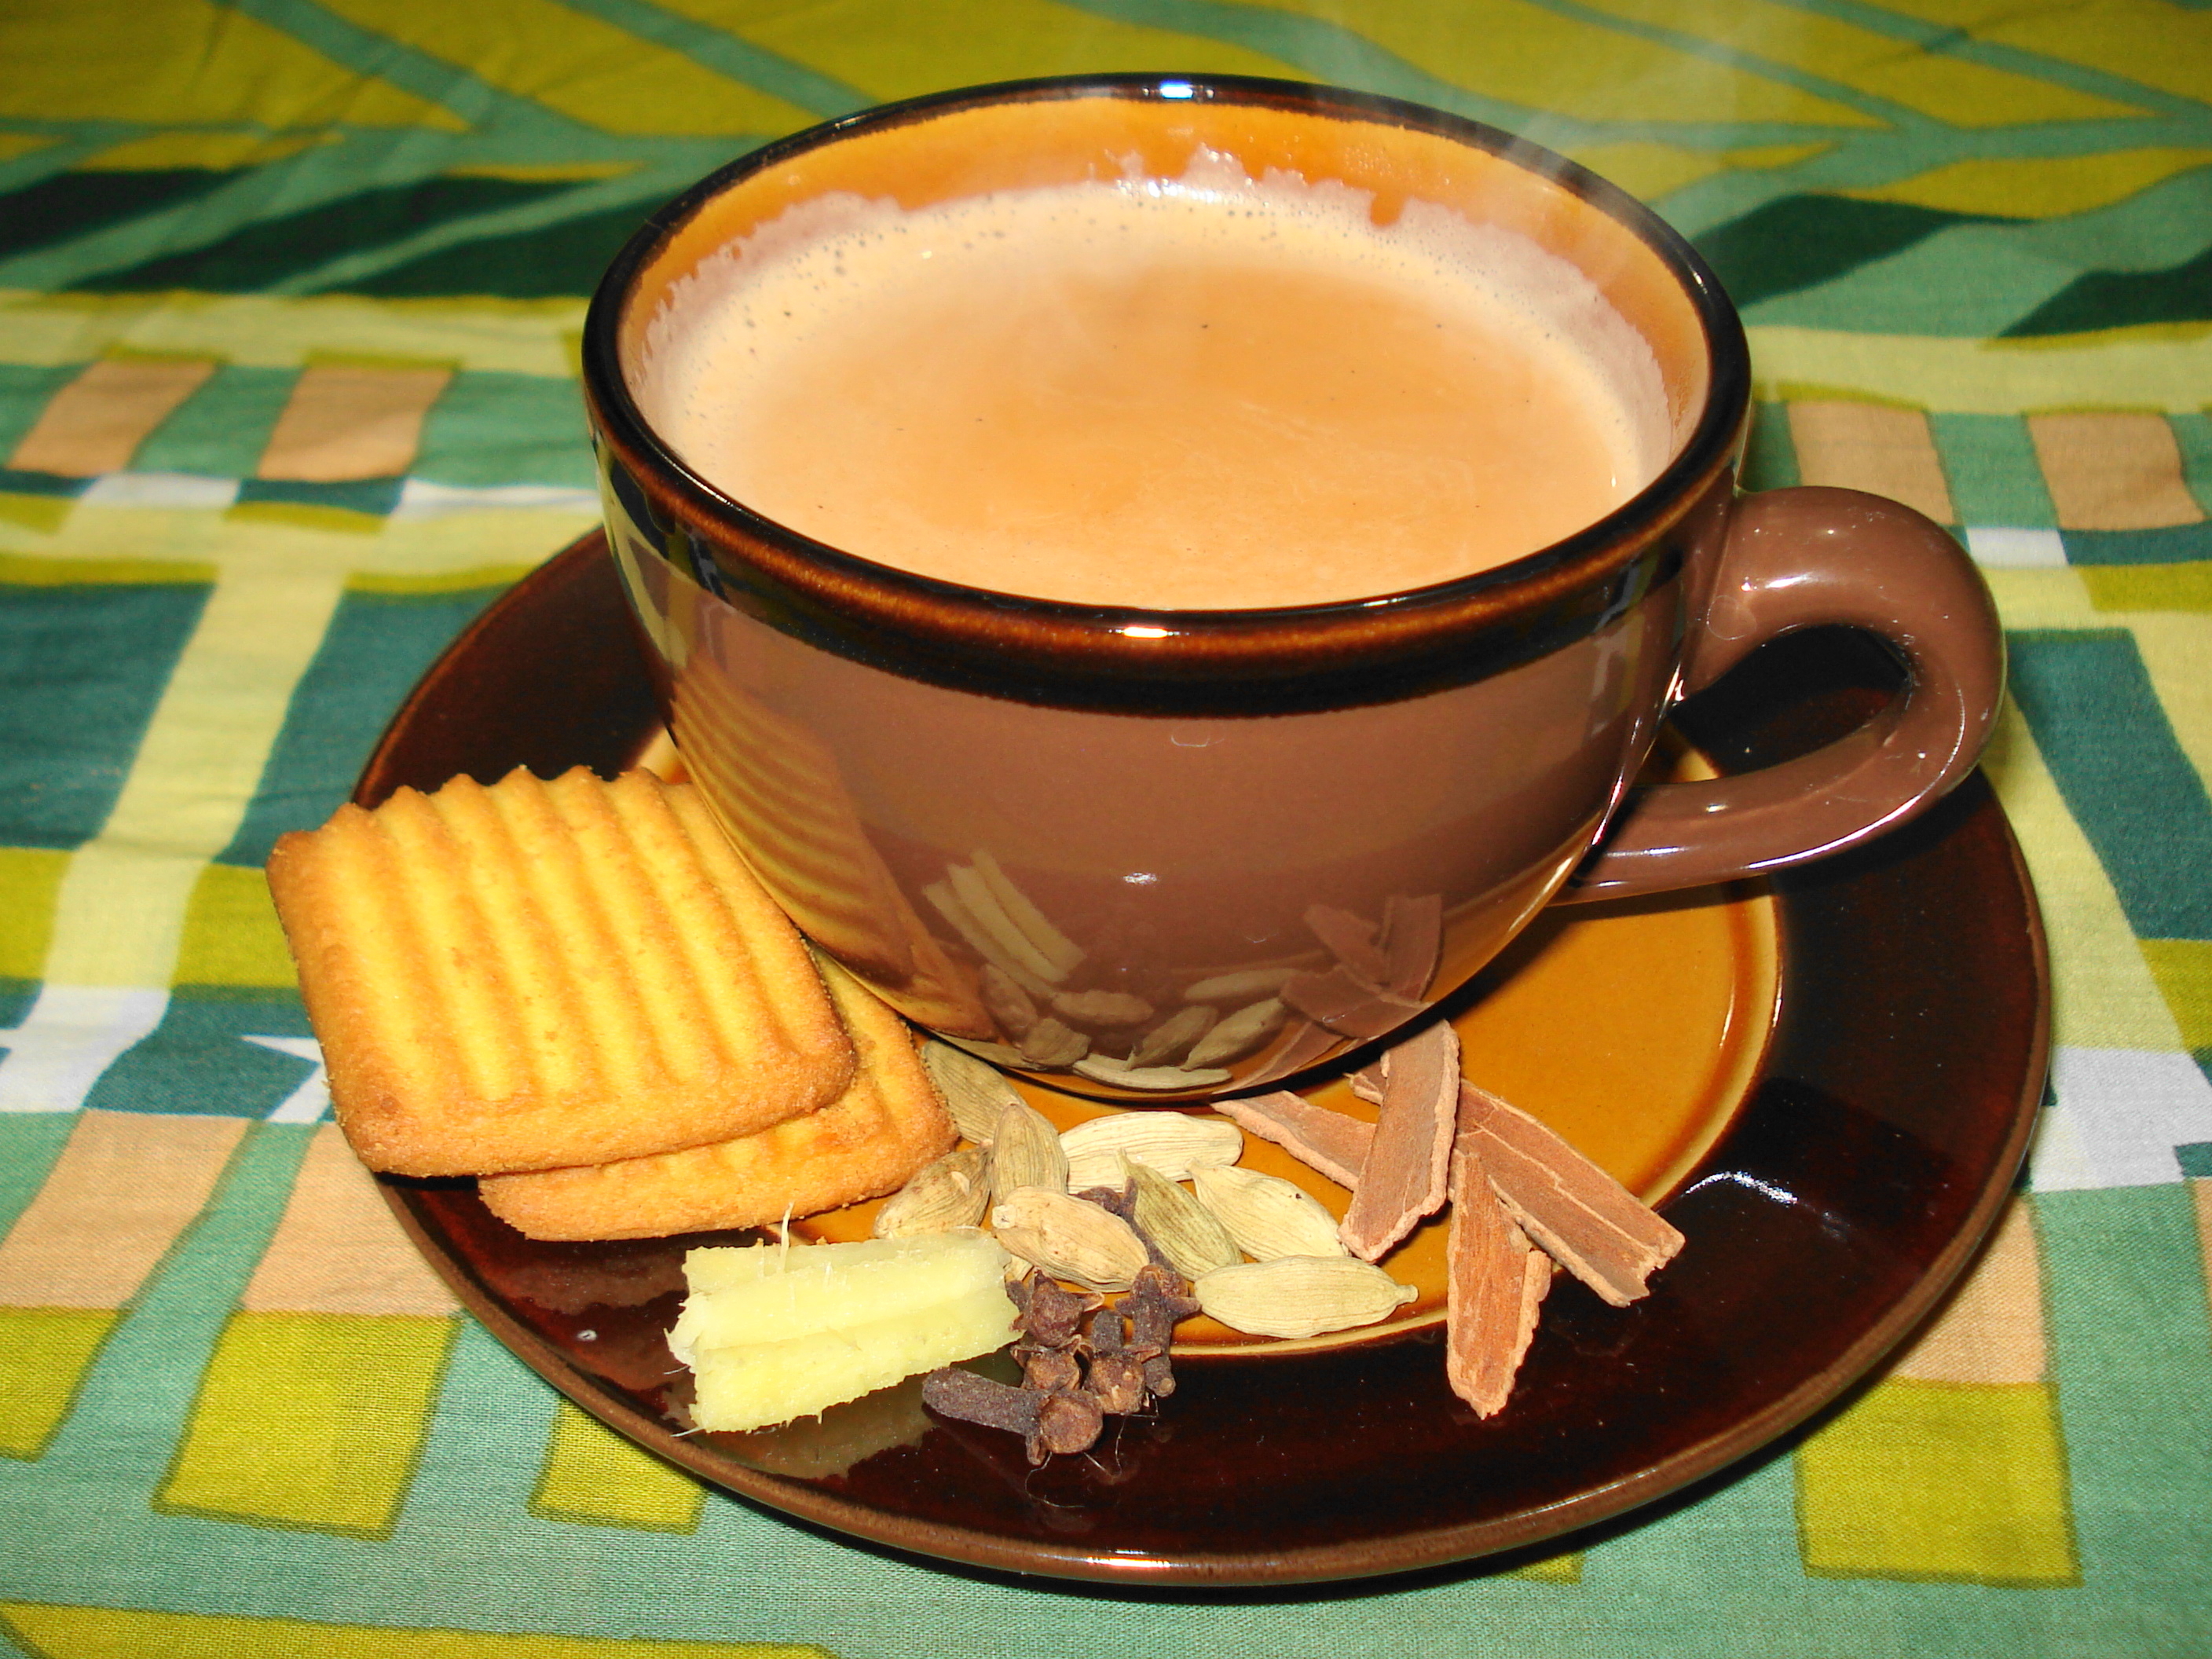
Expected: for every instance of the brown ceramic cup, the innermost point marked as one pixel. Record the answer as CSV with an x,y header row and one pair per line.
x,y
1157,856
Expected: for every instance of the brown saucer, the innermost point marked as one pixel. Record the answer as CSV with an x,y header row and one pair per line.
x,y
1876,1136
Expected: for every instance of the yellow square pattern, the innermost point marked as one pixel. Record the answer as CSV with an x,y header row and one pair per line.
x,y
44,1353
310,1420
30,876
231,936
1940,1481
2186,586
593,1476
2183,968
80,1632
1564,1568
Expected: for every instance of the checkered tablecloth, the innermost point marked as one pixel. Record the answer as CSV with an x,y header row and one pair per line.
x,y
289,299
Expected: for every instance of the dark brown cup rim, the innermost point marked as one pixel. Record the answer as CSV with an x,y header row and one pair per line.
x,y
1333,654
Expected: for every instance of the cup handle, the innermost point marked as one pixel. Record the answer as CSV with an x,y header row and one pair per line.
x,y
1808,558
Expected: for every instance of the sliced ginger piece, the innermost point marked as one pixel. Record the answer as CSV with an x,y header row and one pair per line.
x,y
772,1332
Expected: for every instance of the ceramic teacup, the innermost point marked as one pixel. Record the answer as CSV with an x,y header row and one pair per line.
x,y
1157,855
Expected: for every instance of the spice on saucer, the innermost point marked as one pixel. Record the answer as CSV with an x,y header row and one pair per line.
x,y
1327,1141
1586,1221
1297,1296
1403,1177
1083,1360
1496,1280
1520,1199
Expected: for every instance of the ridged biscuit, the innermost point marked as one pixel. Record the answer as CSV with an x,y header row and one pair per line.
x,y
539,975
887,1124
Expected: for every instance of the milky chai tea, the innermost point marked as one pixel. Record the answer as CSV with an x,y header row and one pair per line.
x,y
1201,392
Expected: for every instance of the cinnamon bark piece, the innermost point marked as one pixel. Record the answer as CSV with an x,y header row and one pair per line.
x,y
1350,939
1411,942
1496,1280
1331,1142
1403,1178
1588,1222
1346,1004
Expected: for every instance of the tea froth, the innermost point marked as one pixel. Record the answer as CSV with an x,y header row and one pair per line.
x,y
1201,392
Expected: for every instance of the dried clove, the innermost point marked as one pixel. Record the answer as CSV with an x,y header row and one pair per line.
x,y
1117,1383
1051,1370
1113,1200
1161,1295
1083,1360
1065,1422
1104,1336
1156,1304
1051,1315
1122,1201
1160,1376
967,1398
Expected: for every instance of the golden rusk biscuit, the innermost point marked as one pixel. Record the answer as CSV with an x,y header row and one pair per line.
x,y
887,1124
538,974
